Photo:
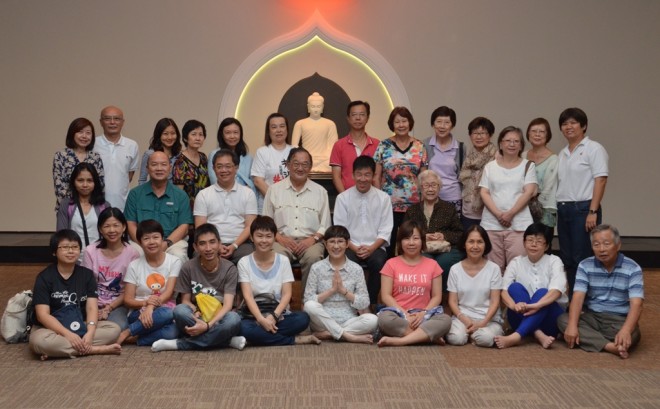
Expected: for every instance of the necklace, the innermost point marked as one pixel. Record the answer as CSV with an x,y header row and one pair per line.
x,y
212,267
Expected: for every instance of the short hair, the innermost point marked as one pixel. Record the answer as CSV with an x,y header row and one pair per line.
x,y
428,173
337,232
241,146
406,230
76,126
484,236
226,152
356,103
540,229
267,139
402,112
507,130
364,162
206,228
481,122
147,227
540,121
156,144
97,197
444,111
574,113
103,217
190,126
265,223
64,234
605,227
293,152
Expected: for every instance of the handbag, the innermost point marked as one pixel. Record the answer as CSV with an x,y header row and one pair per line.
x,y
437,246
17,318
535,207
70,316
266,302
208,305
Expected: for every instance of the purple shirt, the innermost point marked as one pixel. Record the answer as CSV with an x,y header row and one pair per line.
x,y
443,163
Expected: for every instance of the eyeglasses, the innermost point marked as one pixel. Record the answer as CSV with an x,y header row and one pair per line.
x,y
303,165
511,142
111,118
480,133
224,167
429,185
535,241
69,248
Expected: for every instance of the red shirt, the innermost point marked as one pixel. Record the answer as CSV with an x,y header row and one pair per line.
x,y
343,154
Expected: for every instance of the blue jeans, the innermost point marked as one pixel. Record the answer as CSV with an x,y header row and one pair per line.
x,y
218,336
574,242
163,326
374,263
445,261
120,317
467,222
545,319
287,329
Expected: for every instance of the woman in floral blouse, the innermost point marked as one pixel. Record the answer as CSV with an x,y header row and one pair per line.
x,y
190,171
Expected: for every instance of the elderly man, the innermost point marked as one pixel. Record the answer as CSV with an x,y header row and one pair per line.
x,y
611,287
229,206
301,212
119,155
160,200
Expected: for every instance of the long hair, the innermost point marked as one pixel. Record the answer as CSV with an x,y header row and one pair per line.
x,y
97,197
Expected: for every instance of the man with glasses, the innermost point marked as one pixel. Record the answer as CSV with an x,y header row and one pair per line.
x,y
119,155
301,212
229,206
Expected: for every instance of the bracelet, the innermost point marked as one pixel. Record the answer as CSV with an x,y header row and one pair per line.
x,y
235,246
274,314
207,327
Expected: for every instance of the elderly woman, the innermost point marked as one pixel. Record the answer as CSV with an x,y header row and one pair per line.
x,y
446,155
411,289
166,138
534,290
399,160
507,184
474,293
483,151
336,296
230,136
441,222
539,136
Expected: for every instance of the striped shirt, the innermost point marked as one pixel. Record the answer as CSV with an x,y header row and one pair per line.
x,y
609,292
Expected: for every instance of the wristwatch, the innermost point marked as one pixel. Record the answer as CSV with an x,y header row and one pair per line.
x,y
593,211
316,238
169,242
91,324
235,246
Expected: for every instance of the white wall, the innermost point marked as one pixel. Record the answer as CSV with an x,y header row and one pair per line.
x,y
509,60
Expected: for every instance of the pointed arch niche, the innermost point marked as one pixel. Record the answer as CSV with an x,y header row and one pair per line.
x,y
258,85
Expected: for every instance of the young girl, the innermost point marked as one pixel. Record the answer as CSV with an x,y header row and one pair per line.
x,y
109,258
166,138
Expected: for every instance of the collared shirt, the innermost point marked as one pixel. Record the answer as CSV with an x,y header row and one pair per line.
x,y
367,216
578,169
609,292
119,159
226,209
298,214
547,273
171,210
344,153
443,162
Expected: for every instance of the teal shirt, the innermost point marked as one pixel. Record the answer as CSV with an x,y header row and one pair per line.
x,y
171,210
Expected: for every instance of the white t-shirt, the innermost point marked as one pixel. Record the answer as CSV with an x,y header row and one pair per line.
x,y
119,159
548,273
578,169
91,220
265,281
270,164
505,187
150,280
226,209
474,292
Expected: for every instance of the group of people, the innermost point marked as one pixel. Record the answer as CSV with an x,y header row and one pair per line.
x,y
414,220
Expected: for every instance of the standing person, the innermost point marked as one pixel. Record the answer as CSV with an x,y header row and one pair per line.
x,y
507,185
166,138
539,136
230,136
206,274
356,143
190,171
582,174
269,166
79,144
367,214
399,160
119,155
446,155
65,307
607,298
336,297
483,151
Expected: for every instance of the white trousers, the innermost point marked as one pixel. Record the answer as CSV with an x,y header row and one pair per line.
x,y
322,321
483,337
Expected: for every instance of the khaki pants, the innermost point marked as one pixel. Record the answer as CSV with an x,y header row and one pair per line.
x,y
46,342
313,254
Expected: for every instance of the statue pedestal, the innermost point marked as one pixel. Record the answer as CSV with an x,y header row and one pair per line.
x,y
325,179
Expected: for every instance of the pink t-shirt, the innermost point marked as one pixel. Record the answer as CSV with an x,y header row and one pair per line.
x,y
412,284
109,272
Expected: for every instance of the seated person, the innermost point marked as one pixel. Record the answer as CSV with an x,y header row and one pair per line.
x,y
207,274
163,202
474,287
62,285
367,214
411,288
610,289
149,292
229,206
534,290
266,277
336,297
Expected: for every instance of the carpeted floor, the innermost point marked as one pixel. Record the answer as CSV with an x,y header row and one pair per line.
x,y
335,375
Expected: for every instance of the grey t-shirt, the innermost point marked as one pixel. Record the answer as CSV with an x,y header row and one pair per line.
x,y
193,279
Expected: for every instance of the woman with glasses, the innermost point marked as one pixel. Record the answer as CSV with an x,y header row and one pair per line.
x,y
534,290
545,161
506,185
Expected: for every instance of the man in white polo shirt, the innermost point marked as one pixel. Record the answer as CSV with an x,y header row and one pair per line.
x,y
119,155
229,206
